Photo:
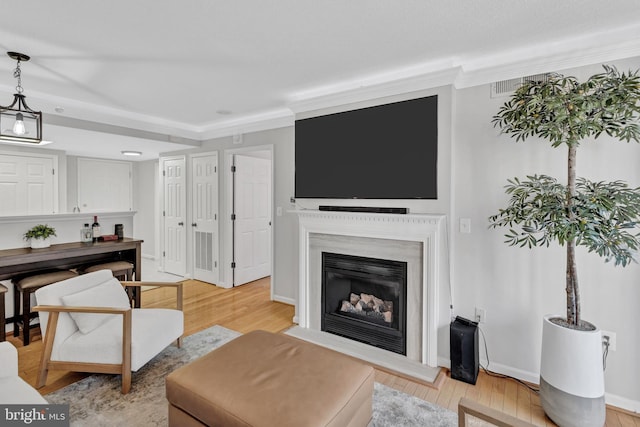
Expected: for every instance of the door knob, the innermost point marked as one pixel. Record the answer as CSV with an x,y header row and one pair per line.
x,y
194,224
181,223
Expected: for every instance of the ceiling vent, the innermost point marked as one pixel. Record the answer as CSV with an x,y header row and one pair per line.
x,y
504,88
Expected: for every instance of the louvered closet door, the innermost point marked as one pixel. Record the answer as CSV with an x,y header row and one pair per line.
x,y
204,172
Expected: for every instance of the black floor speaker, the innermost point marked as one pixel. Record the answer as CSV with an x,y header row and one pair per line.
x,y
464,350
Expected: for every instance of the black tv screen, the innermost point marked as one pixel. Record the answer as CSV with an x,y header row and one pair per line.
x,y
384,152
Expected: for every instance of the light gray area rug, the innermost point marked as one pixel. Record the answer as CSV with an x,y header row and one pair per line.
x,y
97,401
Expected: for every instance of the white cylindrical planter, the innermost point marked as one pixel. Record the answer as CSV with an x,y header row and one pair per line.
x,y
572,376
40,243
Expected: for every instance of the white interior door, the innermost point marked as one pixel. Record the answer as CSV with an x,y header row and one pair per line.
x,y
174,242
204,172
252,205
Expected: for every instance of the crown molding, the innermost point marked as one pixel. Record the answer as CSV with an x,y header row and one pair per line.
x,y
266,120
396,83
468,71
543,58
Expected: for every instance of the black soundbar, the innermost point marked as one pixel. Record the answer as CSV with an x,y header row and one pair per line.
x,y
367,209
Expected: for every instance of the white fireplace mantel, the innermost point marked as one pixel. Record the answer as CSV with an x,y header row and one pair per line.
x,y
427,229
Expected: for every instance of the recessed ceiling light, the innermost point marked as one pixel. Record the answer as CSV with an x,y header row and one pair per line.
x,y
131,153
223,112
59,109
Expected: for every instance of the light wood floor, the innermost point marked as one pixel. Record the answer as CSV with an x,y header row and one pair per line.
x,y
248,308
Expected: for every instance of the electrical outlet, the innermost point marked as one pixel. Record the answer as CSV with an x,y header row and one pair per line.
x,y
480,315
465,225
612,339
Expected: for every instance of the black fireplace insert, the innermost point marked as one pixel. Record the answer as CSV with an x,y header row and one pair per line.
x,y
365,299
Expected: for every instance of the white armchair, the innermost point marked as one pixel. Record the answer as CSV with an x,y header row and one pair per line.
x,y
13,389
90,327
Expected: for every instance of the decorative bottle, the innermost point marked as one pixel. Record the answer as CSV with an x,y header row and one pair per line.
x,y
95,228
86,234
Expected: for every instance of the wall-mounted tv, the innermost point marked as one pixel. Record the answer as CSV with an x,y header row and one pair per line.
x,y
387,151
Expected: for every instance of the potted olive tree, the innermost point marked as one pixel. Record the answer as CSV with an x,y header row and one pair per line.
x,y
601,216
38,236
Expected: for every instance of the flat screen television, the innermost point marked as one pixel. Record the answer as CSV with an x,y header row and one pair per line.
x,y
383,152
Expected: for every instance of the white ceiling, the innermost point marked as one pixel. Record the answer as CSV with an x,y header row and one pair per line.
x,y
169,67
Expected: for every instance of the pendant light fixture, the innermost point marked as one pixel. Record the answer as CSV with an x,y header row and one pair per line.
x,y
18,122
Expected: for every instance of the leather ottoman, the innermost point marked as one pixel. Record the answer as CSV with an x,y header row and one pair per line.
x,y
266,379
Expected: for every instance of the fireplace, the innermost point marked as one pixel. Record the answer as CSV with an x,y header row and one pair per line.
x,y
414,239
365,299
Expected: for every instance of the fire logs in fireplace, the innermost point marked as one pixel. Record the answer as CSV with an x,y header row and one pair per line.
x,y
368,306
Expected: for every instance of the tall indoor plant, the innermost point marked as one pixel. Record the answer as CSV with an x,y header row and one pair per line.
x,y
599,215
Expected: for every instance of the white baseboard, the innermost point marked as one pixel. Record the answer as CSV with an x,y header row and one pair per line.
x,y
622,402
445,363
147,256
284,300
530,377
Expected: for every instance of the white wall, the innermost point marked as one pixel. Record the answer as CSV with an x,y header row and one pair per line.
x,y
145,183
518,286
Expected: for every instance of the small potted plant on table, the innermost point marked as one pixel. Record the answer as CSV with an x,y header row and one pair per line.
x,y
38,236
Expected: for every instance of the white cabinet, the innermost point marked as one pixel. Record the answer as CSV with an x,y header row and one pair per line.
x,y
28,185
104,185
